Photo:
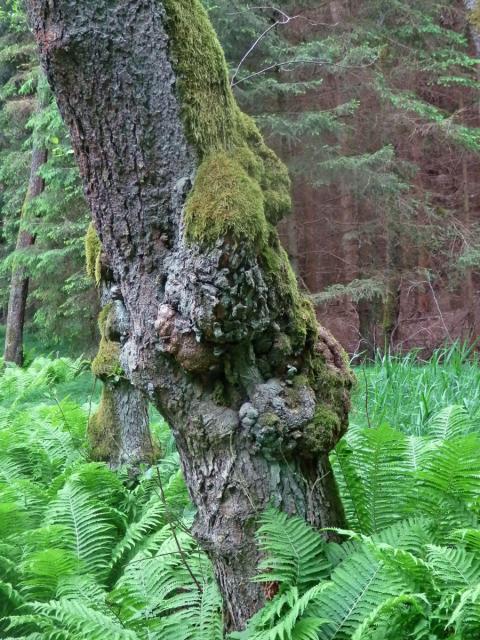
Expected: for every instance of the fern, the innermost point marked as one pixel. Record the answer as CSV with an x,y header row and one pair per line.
x,y
449,423
295,552
371,478
43,570
287,617
83,554
83,621
394,618
360,584
88,527
455,569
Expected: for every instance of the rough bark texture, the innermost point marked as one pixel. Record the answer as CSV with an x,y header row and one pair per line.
x,y
473,7
119,431
17,302
219,335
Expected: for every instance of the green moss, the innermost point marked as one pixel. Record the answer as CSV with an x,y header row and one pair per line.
x,y
103,317
322,433
242,189
274,178
269,419
225,202
93,250
301,318
474,16
249,161
208,106
106,363
241,184
276,188
219,394
102,430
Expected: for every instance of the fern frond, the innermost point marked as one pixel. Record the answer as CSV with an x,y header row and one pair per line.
x,y
453,568
394,618
42,571
411,535
466,615
470,538
351,487
449,423
89,530
10,599
381,462
13,519
151,518
282,618
85,622
295,553
359,585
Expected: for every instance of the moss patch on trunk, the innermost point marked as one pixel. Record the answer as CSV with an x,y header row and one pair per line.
x,y
106,363
208,106
93,250
241,185
225,202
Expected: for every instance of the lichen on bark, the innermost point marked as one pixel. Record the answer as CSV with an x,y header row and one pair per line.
x,y
474,13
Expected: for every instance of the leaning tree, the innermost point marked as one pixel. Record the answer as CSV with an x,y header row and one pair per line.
x,y
185,197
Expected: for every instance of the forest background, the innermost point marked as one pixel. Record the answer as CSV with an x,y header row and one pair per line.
x,y
373,105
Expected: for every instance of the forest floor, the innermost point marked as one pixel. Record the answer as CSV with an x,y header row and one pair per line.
x,y
87,553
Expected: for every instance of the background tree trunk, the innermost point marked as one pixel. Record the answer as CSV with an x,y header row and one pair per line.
x,y
19,283
219,335
118,432
17,302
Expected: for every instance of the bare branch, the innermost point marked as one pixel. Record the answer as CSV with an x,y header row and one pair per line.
x,y
283,20
296,61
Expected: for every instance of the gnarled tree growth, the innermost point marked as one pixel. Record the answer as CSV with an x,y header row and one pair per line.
x,y
185,197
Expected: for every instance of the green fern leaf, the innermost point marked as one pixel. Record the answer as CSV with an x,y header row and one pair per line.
x,y
90,533
295,553
453,568
449,423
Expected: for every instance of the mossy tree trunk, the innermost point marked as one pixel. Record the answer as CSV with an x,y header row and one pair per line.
x,y
19,283
185,197
118,432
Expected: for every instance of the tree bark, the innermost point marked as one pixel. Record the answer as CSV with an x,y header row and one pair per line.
x,y
472,8
219,335
19,283
118,432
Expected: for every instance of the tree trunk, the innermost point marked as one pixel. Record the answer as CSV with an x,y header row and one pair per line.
x,y
17,302
219,335
118,432
473,9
